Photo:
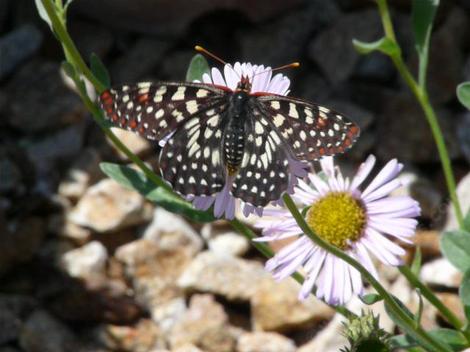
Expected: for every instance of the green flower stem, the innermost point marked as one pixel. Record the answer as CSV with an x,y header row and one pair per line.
x,y
434,300
420,333
74,58
268,253
59,28
421,94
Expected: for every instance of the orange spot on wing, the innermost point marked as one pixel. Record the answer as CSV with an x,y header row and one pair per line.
x,y
321,151
321,123
143,98
133,124
114,117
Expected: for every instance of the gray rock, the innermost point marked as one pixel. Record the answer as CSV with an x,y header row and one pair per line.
x,y
17,46
20,242
39,100
311,85
332,49
463,134
173,17
375,67
404,133
440,272
139,60
91,38
44,333
10,326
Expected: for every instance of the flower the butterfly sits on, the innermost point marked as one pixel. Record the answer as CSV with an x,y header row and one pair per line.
x,y
358,220
233,136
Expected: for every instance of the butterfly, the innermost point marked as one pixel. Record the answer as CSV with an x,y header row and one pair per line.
x,y
219,135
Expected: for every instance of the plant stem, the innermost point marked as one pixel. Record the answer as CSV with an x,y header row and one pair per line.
x,y
67,42
421,94
434,300
392,304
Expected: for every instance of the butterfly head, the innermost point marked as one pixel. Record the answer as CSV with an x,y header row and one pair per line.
x,y
244,85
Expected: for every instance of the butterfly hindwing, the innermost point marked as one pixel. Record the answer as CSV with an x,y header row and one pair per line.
x,y
191,159
311,130
156,109
263,175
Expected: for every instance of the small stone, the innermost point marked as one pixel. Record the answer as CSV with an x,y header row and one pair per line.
x,y
186,348
428,241
87,262
138,60
463,194
108,206
20,242
440,272
40,101
276,307
43,333
17,46
204,316
90,38
375,67
230,277
402,113
10,326
170,232
142,337
230,243
332,49
84,171
463,133
453,302
137,145
329,339
264,342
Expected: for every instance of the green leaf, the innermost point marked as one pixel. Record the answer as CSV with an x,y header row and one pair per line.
x,y
466,221
464,293
463,93
416,264
69,70
422,17
197,67
136,180
99,70
43,13
454,339
371,298
384,45
455,246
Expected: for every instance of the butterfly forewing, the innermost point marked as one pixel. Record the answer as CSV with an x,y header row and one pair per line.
x,y
263,175
310,130
191,159
156,109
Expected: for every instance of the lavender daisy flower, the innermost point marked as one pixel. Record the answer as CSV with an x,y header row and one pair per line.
x,y
357,220
262,80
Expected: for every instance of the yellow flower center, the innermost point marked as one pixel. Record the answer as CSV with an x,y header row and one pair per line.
x,y
337,218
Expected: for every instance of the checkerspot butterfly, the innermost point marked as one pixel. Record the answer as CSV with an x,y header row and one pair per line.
x,y
221,135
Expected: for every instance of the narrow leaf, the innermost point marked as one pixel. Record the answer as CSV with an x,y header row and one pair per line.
x,y
466,221
463,93
371,298
464,292
69,70
455,246
384,45
450,337
99,70
136,180
422,17
43,13
197,67
416,264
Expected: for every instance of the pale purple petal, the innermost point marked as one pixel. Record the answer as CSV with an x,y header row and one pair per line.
x,y
383,191
363,172
231,77
389,172
217,77
364,259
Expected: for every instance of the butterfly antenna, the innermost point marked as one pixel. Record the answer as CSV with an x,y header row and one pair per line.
x,y
283,67
200,49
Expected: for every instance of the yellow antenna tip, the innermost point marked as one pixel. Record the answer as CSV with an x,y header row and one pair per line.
x,y
296,64
198,48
